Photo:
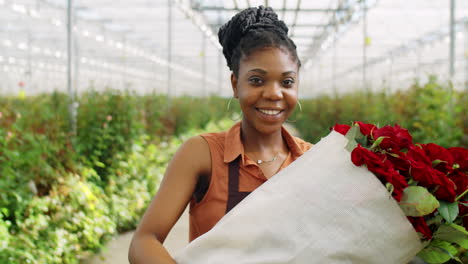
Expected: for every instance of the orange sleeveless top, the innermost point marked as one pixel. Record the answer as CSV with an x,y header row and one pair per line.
x,y
225,147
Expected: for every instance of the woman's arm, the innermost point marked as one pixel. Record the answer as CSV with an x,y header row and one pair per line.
x,y
191,160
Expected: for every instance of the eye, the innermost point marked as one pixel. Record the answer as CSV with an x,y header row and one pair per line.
x,y
255,81
288,82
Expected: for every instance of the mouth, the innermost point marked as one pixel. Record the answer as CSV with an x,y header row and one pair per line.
x,y
270,112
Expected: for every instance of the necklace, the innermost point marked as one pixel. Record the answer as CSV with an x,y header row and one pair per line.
x,y
267,161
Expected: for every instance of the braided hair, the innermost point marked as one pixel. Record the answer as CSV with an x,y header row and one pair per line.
x,y
251,29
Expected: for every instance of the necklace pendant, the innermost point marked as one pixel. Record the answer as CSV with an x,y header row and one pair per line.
x,y
259,161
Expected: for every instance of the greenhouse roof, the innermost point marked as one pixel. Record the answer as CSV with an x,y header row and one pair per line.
x,y
170,46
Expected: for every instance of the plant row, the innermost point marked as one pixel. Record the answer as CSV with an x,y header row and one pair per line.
x,y
61,189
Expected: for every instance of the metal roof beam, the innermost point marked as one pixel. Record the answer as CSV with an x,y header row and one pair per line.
x,y
297,25
217,8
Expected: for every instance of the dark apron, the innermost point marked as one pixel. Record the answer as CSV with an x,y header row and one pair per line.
x,y
234,196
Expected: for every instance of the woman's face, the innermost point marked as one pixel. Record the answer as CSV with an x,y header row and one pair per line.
x,y
267,88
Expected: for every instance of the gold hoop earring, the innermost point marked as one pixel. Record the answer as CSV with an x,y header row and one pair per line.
x,y
300,109
229,103
239,116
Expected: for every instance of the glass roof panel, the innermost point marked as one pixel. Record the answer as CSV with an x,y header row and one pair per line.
x,y
126,43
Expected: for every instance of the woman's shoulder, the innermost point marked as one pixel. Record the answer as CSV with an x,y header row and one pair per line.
x,y
195,151
214,135
205,143
215,138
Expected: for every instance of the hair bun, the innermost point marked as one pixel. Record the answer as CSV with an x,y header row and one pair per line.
x,y
250,19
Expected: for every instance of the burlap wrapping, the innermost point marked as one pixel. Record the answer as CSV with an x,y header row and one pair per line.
x,y
320,209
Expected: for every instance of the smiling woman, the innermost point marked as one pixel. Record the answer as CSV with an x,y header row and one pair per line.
x,y
213,172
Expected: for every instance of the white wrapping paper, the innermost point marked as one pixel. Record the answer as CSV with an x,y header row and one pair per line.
x,y
320,209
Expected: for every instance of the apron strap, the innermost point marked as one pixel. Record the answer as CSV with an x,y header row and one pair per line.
x,y
234,196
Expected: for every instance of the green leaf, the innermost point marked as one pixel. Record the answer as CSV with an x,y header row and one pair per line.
x,y
417,201
351,135
392,154
99,164
390,187
459,228
436,220
377,142
453,233
352,144
449,211
412,182
437,252
4,211
437,161
362,140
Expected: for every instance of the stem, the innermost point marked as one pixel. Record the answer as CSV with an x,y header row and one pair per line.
x,y
461,195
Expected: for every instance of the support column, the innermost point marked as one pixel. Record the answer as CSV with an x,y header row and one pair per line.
x,y
169,53
76,72
29,66
335,22
204,88
71,107
364,48
466,54
452,55
452,40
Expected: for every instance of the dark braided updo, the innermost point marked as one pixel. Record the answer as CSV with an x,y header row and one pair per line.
x,y
252,29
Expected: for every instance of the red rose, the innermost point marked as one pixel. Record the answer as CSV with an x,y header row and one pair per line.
x,y
460,156
388,174
420,226
404,136
396,138
436,152
342,129
381,167
425,175
463,209
399,161
360,156
417,153
446,190
366,129
460,179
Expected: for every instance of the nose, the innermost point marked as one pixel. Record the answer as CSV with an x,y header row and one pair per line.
x,y
273,92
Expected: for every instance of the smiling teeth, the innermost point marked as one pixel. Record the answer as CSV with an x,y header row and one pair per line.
x,y
270,112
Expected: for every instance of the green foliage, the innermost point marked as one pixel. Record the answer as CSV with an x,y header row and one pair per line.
x,y
59,228
430,112
107,123
438,252
449,211
453,233
61,196
436,114
34,150
418,201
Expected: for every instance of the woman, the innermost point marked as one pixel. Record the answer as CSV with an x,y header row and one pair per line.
x,y
215,171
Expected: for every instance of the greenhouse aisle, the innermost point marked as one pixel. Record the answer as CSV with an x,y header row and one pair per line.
x,y
117,249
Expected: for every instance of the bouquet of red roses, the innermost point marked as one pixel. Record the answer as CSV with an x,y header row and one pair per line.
x,y
330,206
429,183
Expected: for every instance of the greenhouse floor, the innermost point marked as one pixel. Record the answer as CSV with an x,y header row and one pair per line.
x,y
117,249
